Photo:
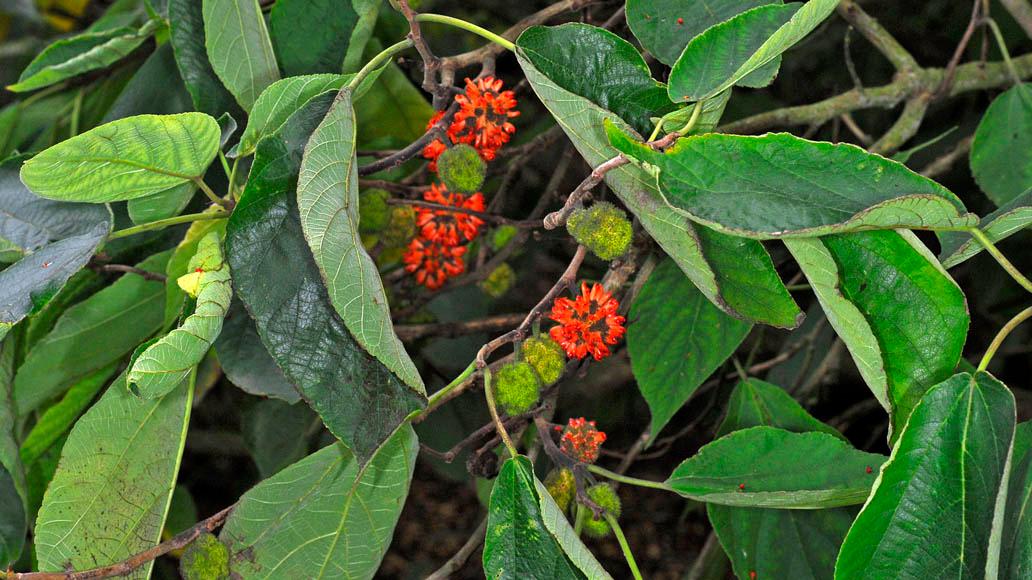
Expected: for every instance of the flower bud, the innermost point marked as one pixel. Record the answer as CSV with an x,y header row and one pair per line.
x,y
499,281
205,559
562,487
401,227
374,213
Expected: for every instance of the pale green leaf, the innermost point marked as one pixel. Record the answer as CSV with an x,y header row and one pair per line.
x,y
277,102
1009,219
368,12
239,49
1016,548
179,263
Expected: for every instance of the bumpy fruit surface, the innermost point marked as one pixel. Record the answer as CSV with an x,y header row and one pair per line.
x,y
501,236
516,388
205,559
603,228
605,496
499,281
373,211
546,356
561,486
461,169
401,227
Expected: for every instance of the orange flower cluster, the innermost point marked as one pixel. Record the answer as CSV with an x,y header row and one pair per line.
x,y
581,440
482,122
588,324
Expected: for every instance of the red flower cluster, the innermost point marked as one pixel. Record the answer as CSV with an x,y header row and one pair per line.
x,y
588,323
448,227
434,262
481,121
581,440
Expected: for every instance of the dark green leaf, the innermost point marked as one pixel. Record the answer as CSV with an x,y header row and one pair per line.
x,y
239,48
769,467
186,23
276,434
1016,549
161,205
1009,219
1001,154
559,526
788,191
368,12
326,26
664,27
358,398
155,89
937,507
754,403
518,546
676,338
13,524
394,110
13,487
246,361
330,515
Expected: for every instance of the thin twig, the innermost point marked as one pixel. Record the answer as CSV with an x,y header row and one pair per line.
x,y
122,268
455,209
958,53
457,561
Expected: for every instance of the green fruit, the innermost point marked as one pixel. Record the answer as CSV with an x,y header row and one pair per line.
x,y
603,228
373,211
205,559
605,496
499,281
516,387
461,169
546,356
501,237
401,227
562,486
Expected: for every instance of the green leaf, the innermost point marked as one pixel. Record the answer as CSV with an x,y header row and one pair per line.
x,y
329,515
13,523
664,27
295,318
762,297
80,54
112,488
13,487
279,101
275,433
517,546
155,89
327,26
1001,153
327,199
754,403
1016,549
246,361
676,339
556,523
239,48
733,51
186,24
787,191
165,363
161,205
91,335
1009,219
57,419
779,469
394,112
125,159
368,12
599,66
941,489
902,317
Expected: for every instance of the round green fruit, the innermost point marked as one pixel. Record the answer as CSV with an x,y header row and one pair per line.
x,y
516,388
546,356
605,496
603,228
461,169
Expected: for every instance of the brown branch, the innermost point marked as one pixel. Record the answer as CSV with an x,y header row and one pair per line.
x,y
437,131
482,215
958,53
456,562
122,268
409,332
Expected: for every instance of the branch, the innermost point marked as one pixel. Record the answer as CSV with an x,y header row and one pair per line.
x,y
876,34
413,149
946,161
456,562
409,332
121,268
454,209
905,127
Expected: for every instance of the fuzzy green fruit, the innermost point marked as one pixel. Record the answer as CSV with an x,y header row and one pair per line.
x,y
499,281
603,228
461,169
516,388
373,212
205,559
401,227
562,486
546,356
605,496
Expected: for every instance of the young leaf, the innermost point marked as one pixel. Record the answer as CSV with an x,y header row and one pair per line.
x,y
246,361
330,515
676,339
360,400
788,191
239,48
327,199
752,290
80,54
1009,219
517,546
125,159
165,363
91,335
664,27
769,467
1001,153
943,489
179,263
902,317
327,26
112,488
1016,549
186,25
743,45
279,101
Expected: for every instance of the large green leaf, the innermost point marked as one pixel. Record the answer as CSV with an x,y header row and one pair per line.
x,y
186,24
246,361
664,27
12,519
902,317
676,339
155,89
327,26
165,363
1001,153
769,467
559,526
80,54
13,488
91,335
125,159
518,545
279,101
113,485
937,507
599,66
276,434
754,403
1016,548
788,191
329,515
734,51
750,290
360,400
1009,219
239,48
327,199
